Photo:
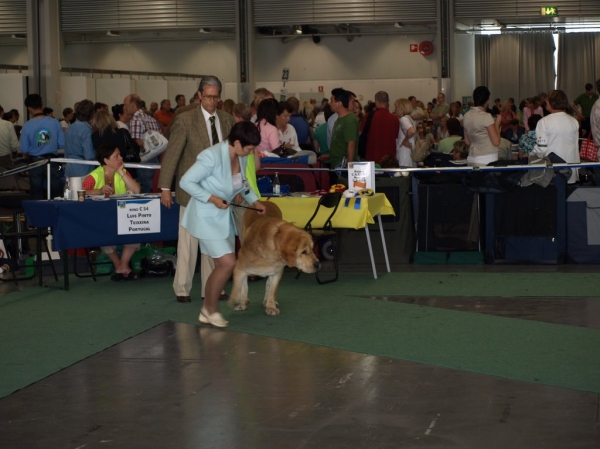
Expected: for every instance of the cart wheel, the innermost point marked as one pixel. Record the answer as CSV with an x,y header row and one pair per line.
x,y
327,250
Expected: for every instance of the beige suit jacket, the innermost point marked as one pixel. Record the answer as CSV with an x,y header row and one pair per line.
x,y
179,110
188,138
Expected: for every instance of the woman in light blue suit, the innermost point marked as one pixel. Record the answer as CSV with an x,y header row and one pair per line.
x,y
213,181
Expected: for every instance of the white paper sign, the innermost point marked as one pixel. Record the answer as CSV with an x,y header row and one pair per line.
x,y
361,175
138,216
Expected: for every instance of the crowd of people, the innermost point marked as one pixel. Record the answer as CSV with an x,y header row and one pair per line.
x,y
215,147
476,134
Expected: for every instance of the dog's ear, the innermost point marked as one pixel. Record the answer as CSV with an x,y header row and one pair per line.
x,y
288,244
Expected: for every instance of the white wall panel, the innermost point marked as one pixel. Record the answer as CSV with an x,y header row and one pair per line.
x,y
13,93
75,89
153,90
230,90
114,90
183,87
463,66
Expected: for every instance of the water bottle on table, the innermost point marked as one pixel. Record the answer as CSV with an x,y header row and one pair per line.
x,y
67,190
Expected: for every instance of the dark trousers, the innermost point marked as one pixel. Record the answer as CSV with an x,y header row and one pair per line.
x,y
585,127
145,176
37,181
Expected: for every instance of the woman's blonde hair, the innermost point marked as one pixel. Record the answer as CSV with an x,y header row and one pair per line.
x,y
404,106
461,148
307,110
104,120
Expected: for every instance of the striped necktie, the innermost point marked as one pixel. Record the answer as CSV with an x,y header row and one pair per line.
x,y
213,130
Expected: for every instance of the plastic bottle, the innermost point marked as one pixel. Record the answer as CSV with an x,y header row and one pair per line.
x,y
67,190
276,185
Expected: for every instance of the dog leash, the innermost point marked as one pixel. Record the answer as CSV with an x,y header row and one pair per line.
x,y
245,207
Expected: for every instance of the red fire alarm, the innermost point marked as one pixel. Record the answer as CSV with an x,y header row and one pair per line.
x,y
320,88
414,48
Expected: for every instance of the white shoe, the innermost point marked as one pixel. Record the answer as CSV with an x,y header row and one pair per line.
x,y
215,319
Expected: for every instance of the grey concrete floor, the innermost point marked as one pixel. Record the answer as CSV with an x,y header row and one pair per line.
x,y
186,386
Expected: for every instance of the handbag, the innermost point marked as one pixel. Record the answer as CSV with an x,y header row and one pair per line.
x,y
154,144
421,150
283,151
130,154
588,151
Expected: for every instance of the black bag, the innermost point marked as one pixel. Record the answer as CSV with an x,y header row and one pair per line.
x,y
132,149
362,139
157,268
284,152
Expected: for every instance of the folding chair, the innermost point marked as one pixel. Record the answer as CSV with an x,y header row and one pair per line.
x,y
326,232
12,239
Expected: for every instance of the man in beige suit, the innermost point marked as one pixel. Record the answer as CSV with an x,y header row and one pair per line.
x,y
192,132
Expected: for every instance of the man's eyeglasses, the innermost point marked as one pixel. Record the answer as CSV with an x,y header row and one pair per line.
x,y
211,97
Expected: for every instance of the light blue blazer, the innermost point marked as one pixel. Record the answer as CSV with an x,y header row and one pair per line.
x,y
211,175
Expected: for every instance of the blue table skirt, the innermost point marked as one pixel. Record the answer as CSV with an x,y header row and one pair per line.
x,y
88,224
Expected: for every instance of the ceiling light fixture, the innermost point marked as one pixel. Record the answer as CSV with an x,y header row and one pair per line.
x,y
298,29
205,30
113,33
19,36
398,24
582,30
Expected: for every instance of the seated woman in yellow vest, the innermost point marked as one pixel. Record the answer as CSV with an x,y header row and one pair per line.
x,y
112,178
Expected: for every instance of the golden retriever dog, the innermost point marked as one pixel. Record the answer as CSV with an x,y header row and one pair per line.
x,y
269,244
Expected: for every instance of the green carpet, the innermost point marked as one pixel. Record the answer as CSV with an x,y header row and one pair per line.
x,y
44,330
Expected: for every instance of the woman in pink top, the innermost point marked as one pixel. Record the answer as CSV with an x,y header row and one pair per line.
x,y
531,107
266,122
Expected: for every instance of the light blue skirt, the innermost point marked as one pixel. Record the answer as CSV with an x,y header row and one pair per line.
x,y
218,248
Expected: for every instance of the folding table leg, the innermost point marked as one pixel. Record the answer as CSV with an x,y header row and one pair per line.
x,y
370,251
38,254
50,259
65,257
387,260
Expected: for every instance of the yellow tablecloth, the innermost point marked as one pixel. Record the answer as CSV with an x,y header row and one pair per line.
x,y
299,210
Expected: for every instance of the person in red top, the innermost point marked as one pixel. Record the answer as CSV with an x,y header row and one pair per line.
x,y
164,115
381,140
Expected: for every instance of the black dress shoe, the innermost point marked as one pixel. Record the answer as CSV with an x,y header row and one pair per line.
x,y
184,299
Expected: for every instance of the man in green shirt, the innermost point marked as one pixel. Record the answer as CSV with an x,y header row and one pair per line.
x,y
582,105
344,136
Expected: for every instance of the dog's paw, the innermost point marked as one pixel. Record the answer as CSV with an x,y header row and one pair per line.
x,y
272,311
240,307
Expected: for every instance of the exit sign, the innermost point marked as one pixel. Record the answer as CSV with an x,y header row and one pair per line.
x,y
549,11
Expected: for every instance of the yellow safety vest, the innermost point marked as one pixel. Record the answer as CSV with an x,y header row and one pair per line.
x,y
120,187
